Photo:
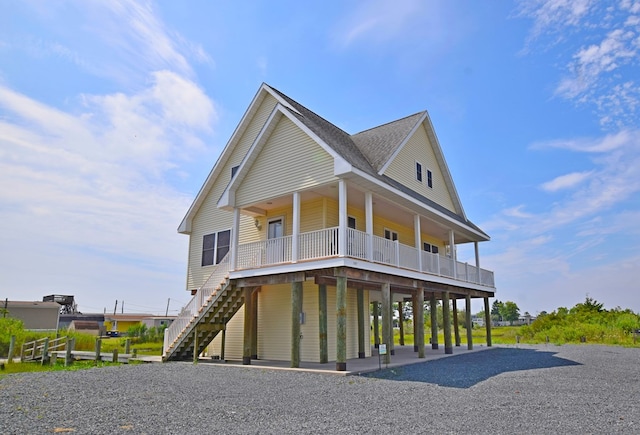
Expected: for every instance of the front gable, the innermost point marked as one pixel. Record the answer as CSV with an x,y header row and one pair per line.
x,y
420,152
289,161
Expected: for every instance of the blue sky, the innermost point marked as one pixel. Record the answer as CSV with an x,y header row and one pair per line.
x,y
112,113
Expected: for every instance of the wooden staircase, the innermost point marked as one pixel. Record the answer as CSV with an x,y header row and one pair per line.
x,y
213,305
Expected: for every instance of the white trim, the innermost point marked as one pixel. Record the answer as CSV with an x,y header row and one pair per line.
x,y
422,205
402,144
185,224
227,199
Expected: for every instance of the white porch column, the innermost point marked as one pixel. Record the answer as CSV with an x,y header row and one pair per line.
x,y
452,252
342,218
368,210
475,246
418,239
235,230
296,226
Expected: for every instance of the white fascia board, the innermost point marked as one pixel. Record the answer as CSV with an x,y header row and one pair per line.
x,y
444,167
483,237
185,225
227,199
401,146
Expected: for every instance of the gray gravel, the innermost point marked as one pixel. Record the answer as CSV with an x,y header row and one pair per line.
x,y
524,389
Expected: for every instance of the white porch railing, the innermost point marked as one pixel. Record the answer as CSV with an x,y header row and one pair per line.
x,y
192,309
324,243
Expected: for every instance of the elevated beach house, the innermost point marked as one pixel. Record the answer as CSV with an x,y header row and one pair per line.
x,y
301,231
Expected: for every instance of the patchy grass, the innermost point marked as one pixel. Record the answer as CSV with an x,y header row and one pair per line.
x,y
31,367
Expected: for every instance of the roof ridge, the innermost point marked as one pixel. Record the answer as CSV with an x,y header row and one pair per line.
x,y
390,122
282,94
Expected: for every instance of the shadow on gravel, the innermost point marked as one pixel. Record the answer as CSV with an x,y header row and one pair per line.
x,y
464,371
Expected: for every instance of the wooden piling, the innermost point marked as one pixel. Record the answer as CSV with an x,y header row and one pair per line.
x,y
45,351
468,322
376,324
97,349
433,308
341,323
387,330
446,320
248,312
456,329
360,297
12,345
418,320
296,309
322,319
487,320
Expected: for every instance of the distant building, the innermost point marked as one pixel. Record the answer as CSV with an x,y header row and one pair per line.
x,y
36,315
87,327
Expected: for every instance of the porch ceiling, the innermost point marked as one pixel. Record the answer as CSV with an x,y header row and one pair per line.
x,y
399,212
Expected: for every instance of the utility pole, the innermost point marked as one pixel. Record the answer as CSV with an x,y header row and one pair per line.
x,y
166,313
115,308
122,308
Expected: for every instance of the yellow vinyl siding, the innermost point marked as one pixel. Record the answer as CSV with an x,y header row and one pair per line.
x,y
403,169
289,161
234,341
209,218
274,323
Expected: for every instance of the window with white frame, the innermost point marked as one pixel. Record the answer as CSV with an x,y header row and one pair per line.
x,y
430,248
390,235
429,179
419,172
215,246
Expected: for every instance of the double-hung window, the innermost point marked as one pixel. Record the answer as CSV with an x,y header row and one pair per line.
x,y
215,246
429,179
419,172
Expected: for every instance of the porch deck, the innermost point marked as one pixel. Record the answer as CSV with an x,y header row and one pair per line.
x,y
326,243
404,355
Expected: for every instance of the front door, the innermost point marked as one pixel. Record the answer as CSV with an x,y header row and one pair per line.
x,y
275,242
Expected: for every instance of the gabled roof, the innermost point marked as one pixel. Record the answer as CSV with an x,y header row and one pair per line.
x,y
380,143
369,151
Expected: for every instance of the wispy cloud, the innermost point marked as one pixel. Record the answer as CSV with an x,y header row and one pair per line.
x,y
379,21
566,181
602,144
91,182
603,72
134,40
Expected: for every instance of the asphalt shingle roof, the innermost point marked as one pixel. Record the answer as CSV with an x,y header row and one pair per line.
x,y
370,149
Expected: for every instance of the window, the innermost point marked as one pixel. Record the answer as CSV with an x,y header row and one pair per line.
x,y
215,246
234,170
429,179
351,222
419,172
430,248
390,235
208,248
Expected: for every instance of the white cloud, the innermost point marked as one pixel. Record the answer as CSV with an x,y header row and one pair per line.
x,y
122,40
517,212
602,72
553,13
379,21
87,191
593,61
566,181
603,144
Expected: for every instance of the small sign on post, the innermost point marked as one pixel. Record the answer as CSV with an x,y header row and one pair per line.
x,y
382,350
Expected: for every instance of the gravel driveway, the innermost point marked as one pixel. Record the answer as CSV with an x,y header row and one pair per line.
x,y
524,389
